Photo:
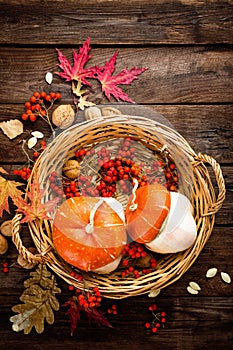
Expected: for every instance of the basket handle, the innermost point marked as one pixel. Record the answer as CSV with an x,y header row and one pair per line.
x,y
26,254
220,181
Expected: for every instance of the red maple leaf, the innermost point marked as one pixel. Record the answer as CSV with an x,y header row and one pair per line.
x,y
93,314
33,208
109,81
77,72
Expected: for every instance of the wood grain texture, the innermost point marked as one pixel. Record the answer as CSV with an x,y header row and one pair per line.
x,y
134,22
176,75
212,125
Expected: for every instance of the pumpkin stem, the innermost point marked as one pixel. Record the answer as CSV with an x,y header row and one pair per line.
x,y
90,227
134,205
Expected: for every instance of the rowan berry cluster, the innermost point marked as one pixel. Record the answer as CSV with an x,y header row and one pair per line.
x,y
5,267
89,299
112,310
133,253
158,321
56,183
25,171
39,105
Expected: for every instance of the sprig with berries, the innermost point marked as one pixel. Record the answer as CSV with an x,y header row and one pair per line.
x,y
159,318
39,105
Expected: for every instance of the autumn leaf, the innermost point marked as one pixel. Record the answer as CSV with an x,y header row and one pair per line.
x,y
8,189
77,89
84,103
33,208
39,300
93,314
97,316
73,312
3,171
109,81
77,72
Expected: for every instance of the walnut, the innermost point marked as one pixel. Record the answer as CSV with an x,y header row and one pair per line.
x,y
63,116
3,245
6,228
71,169
92,113
108,111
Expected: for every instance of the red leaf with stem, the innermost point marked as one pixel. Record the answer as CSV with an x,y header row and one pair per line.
x,y
77,72
93,314
73,312
98,317
109,81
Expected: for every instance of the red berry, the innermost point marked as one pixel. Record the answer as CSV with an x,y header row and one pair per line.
x,y
154,330
48,98
27,105
42,94
52,95
32,117
33,99
58,95
147,325
24,116
36,94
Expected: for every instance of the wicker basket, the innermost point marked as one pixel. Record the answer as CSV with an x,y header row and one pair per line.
x,y
155,137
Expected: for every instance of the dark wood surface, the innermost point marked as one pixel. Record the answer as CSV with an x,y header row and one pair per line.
x,y
187,46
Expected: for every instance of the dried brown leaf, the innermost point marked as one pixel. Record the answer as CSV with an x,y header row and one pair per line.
x,y
39,300
12,128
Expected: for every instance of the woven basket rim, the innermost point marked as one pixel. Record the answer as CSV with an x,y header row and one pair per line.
x,y
170,267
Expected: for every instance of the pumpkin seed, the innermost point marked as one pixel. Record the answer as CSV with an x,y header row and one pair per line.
x,y
49,78
191,290
37,134
225,277
154,293
194,286
32,142
211,272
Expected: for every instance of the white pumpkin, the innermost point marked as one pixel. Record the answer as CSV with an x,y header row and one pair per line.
x,y
179,230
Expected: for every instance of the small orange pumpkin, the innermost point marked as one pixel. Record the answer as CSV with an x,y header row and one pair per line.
x,y
146,212
88,233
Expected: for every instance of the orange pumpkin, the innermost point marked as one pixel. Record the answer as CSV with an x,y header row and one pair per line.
x,y
88,233
145,217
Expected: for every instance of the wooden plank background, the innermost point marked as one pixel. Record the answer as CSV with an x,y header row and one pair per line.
x,y
187,46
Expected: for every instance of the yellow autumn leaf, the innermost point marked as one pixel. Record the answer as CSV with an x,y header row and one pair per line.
x,y
84,103
8,189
